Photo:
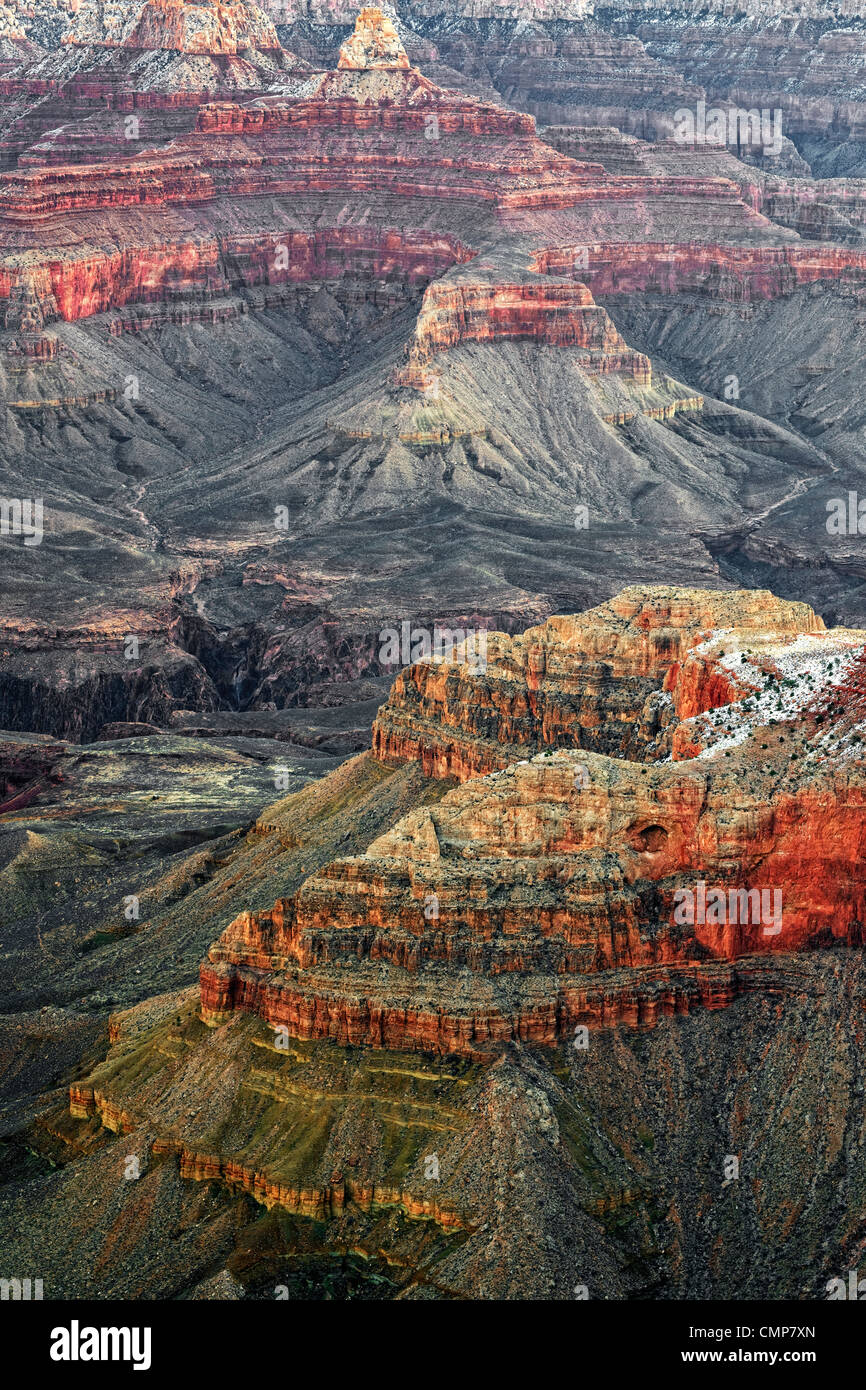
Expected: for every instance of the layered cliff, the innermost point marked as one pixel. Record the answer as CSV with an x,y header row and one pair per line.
x,y
488,269
588,681
174,25
736,274
370,1057
157,47
565,316
374,127
547,894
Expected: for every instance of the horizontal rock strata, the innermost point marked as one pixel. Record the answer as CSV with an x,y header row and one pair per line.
x,y
549,894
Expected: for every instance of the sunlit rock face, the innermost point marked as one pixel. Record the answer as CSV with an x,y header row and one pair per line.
x,y
588,681
374,44
572,887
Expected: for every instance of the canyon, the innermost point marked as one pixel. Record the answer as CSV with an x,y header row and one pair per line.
x,y
432,979
496,972
547,872
333,268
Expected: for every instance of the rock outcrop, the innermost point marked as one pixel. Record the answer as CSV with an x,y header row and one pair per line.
x,y
574,888
303,351
374,44
182,26
159,183
589,681
565,316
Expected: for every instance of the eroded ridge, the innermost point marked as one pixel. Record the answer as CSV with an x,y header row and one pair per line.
x,y
572,887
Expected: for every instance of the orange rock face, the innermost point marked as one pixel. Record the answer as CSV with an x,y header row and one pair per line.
x,y
381,136
563,316
74,288
576,682
179,25
738,274
374,44
571,887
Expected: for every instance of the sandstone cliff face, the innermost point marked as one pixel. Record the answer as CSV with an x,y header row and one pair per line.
x,y
621,1146
372,127
735,274
200,27
374,44
548,894
565,316
76,289
576,923
581,681
516,947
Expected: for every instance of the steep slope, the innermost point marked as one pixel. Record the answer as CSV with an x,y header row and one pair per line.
x,y
581,1134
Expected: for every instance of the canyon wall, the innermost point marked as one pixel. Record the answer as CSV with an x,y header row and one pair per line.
x,y
77,288
574,682
561,316
736,274
548,890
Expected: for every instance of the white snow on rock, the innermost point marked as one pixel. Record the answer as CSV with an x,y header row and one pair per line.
x,y
785,675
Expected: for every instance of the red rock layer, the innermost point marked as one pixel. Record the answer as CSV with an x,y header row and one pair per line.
x,y
313,1010
562,316
555,905
723,272
71,288
361,133
550,893
574,682
272,117
316,146
321,1203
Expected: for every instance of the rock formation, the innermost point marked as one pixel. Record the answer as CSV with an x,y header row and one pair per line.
x,y
175,25
313,343
543,894
374,44
170,170
592,681
15,47
563,964
148,53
